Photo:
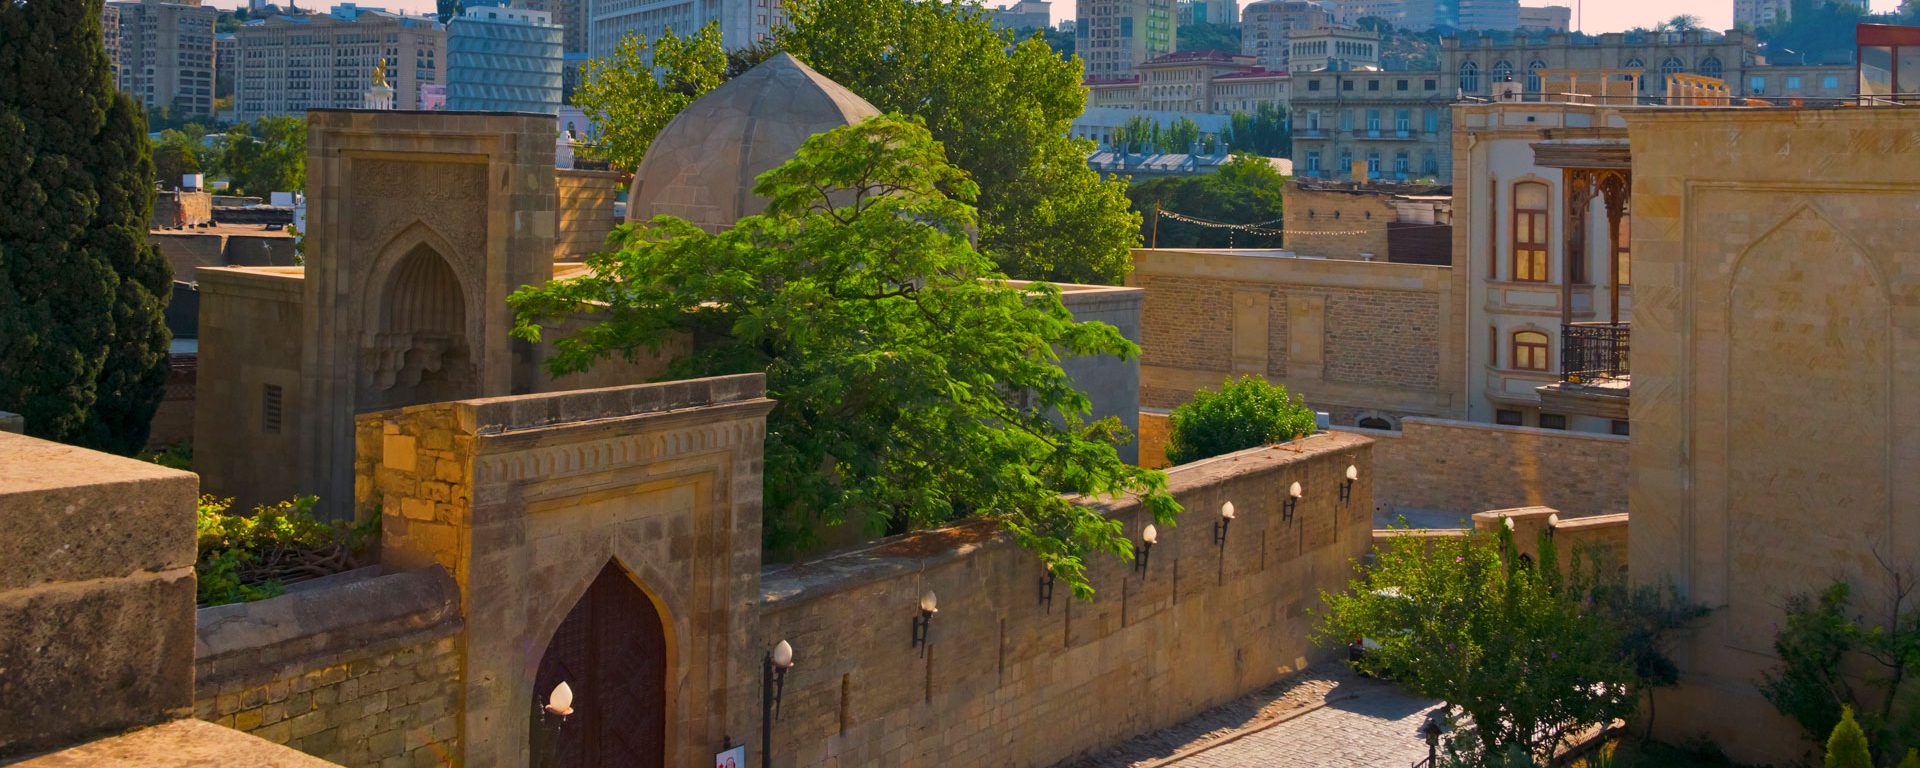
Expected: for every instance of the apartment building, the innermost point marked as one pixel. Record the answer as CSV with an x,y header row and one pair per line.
x,y
1113,36
1383,125
1025,14
290,64
163,53
1333,49
1203,82
1265,27
1548,19
504,59
742,22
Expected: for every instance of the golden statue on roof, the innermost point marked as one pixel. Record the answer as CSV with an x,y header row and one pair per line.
x,y
380,73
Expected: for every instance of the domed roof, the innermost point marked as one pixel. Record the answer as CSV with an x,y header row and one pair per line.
x,y
702,165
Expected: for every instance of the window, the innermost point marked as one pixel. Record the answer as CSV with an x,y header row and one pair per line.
x,y
1672,66
1373,121
1402,120
1553,421
1432,121
1313,163
1399,85
1400,163
1373,85
1375,422
1469,77
1346,120
1313,85
1530,232
1533,75
1529,351
270,409
1431,85
1619,427
1507,417
1346,85
1313,120
1710,66
1830,83
1502,71
1373,165
1757,85
1793,83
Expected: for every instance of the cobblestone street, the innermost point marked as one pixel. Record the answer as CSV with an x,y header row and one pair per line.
x,y
1322,719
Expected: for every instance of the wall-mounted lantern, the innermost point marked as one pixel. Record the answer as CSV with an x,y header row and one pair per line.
x,y
1553,521
773,681
560,701
1346,486
1141,551
923,622
1220,526
1046,588
1293,499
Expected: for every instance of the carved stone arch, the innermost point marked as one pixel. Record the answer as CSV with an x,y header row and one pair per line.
x,y
613,644
421,322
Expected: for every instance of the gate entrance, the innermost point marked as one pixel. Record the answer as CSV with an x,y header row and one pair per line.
x,y
612,651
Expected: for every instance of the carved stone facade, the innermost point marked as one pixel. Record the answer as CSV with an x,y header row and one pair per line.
x,y
1774,408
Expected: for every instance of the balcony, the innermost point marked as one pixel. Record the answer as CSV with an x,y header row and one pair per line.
x,y
1386,134
1594,352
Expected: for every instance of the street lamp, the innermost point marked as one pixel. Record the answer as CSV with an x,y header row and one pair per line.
x,y
1431,730
923,623
773,681
1220,526
1293,499
560,701
1346,486
1046,588
1148,536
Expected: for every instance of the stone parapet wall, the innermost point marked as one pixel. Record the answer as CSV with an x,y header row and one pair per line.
x,y
361,673
1010,680
1338,214
1355,338
1602,537
585,209
1467,467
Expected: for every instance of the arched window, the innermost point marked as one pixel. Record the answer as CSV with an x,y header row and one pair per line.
x,y
1634,64
1375,422
1710,66
1469,78
1530,217
1672,66
1533,75
1502,71
1529,351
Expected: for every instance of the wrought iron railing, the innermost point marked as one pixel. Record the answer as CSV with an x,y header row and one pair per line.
x,y
1593,352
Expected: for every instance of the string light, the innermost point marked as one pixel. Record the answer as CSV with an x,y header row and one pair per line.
x,y
1262,228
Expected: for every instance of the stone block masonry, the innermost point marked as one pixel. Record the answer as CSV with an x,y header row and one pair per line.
x,y
1008,679
361,673
1438,465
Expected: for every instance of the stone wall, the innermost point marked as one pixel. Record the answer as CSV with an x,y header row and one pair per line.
x,y
250,346
363,672
186,251
585,211
1776,414
1599,536
180,208
172,422
96,594
1310,211
1355,338
1009,680
1467,467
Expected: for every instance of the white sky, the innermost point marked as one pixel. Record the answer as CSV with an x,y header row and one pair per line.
x,y
1597,15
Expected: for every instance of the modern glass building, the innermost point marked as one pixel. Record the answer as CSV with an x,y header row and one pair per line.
x,y
504,59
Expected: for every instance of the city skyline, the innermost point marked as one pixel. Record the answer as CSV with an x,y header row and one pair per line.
x,y
1599,16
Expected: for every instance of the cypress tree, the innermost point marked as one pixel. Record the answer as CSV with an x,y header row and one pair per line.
x,y
83,341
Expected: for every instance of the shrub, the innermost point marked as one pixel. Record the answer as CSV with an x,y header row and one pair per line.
x,y
1847,747
252,557
1243,414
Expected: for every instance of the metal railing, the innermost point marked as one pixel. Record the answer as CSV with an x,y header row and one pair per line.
x,y
1594,352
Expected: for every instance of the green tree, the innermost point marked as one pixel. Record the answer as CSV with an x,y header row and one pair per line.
x,y
1245,191
1243,414
266,156
630,104
1264,132
1847,745
1818,638
175,155
1912,760
83,345
913,385
1209,37
1514,645
1002,107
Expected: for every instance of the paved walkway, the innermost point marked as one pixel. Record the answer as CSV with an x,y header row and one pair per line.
x,y
1326,718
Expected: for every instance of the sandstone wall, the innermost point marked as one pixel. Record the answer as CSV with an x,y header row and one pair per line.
x,y
364,672
585,212
1468,467
1602,537
250,346
1355,338
1310,211
1009,680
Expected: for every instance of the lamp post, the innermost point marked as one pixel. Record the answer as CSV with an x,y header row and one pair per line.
x,y
1148,536
1293,499
1220,526
773,680
1346,486
1431,730
923,621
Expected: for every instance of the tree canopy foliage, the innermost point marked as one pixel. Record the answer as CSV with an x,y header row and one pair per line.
x,y
1243,414
1529,653
1264,131
83,345
176,154
1814,685
1246,190
266,156
913,385
1209,37
630,104
1001,106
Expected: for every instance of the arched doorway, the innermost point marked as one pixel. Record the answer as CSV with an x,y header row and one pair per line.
x,y
612,651
419,351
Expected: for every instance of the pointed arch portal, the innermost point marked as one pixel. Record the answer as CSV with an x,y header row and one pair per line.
x,y
612,651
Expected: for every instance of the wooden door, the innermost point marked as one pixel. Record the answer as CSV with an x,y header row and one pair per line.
x,y
612,651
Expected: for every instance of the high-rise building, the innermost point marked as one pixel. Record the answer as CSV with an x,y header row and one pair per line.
x,y
110,36
163,53
1112,36
1491,15
226,53
1266,25
1025,14
1754,14
1348,13
290,64
504,59
1551,18
742,22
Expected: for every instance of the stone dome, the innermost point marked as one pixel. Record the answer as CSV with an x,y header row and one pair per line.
x,y
702,165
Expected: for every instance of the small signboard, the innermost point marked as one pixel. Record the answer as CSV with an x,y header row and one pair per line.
x,y
732,758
